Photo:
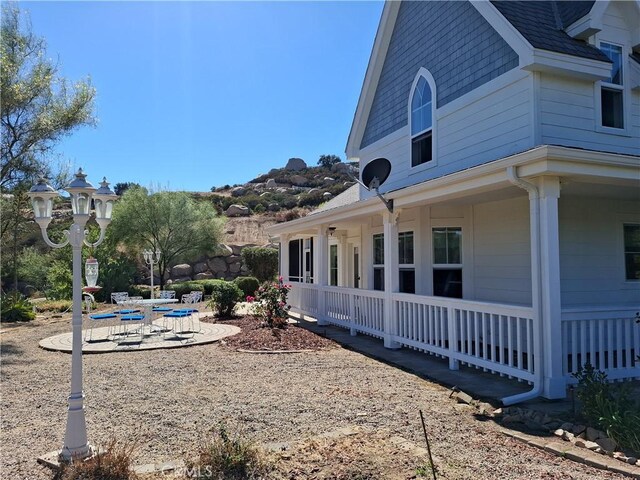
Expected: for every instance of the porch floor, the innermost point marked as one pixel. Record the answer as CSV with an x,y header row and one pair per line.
x,y
480,385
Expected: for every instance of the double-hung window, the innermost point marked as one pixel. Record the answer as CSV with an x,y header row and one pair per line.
x,y
632,251
378,261
612,89
333,265
447,262
407,266
421,123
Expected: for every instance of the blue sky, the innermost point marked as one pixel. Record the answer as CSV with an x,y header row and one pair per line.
x,y
192,95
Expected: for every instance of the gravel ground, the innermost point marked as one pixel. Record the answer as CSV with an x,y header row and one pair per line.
x,y
166,401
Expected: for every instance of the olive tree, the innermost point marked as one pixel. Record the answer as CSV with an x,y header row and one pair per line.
x,y
172,222
37,106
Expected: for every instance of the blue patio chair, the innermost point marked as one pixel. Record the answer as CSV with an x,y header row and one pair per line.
x,y
126,311
192,318
126,321
177,318
99,318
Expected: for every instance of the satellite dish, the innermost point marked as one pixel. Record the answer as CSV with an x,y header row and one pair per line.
x,y
375,173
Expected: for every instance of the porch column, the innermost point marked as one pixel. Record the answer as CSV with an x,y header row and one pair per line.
x,y
554,382
391,277
284,257
343,260
320,268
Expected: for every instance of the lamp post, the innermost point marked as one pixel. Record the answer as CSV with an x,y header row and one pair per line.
x,y
82,192
151,257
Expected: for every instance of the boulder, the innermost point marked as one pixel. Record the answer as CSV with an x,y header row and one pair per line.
x,y
200,267
238,191
264,194
237,249
237,211
234,259
203,276
235,267
314,191
273,207
340,167
271,183
295,164
282,190
298,180
328,180
217,265
182,270
327,195
224,250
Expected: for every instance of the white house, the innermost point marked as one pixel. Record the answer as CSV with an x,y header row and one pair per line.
x,y
513,244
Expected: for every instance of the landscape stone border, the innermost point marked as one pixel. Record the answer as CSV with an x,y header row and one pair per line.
x,y
587,445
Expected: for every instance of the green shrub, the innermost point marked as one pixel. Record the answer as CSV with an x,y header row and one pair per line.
x,y
259,208
14,307
224,297
230,458
113,463
143,291
116,274
248,285
32,268
609,406
182,288
60,281
54,306
261,261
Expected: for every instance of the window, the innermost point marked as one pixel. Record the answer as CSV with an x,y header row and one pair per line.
x,y
612,89
295,260
333,265
632,252
447,262
421,123
405,259
378,261
308,260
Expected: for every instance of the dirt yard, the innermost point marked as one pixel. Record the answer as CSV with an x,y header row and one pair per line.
x,y
168,400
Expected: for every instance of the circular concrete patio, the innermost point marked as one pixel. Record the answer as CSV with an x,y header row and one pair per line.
x,y
102,342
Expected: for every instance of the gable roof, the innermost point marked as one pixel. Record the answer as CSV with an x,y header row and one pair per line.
x,y
542,24
534,26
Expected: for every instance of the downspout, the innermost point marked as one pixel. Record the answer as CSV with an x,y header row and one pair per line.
x,y
536,288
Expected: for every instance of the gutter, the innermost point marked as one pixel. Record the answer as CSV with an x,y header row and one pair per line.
x,y
536,288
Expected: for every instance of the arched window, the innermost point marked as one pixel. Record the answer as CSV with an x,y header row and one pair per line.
x,y
421,123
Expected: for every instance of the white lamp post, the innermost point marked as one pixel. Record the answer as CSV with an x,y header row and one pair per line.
x,y
82,192
151,257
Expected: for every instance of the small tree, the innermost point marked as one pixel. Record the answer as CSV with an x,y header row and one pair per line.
x,y
172,222
262,262
328,161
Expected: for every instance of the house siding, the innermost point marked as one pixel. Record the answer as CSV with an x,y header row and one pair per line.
x,y
495,125
502,251
591,251
451,40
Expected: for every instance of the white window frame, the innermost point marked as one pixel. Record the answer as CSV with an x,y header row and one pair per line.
x,y
407,266
624,88
423,73
629,281
376,266
333,245
449,266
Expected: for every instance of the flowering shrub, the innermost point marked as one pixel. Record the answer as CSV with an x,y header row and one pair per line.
x,y
270,303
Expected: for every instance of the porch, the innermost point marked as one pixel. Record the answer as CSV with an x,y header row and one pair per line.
x,y
484,268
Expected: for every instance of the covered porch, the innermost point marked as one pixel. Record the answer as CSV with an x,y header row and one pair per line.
x,y
491,267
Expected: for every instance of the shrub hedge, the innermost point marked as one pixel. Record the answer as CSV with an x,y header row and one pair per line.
x,y
248,285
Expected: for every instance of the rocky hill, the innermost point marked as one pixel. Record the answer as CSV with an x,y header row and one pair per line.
x,y
282,194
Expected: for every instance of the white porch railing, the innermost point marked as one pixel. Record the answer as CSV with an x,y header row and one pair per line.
x,y
495,337
608,340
